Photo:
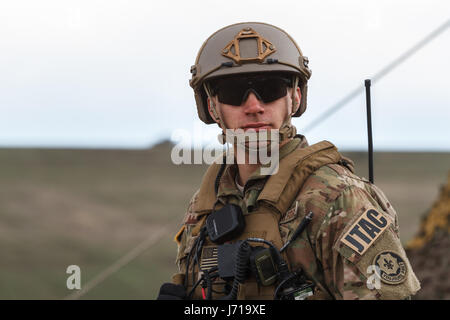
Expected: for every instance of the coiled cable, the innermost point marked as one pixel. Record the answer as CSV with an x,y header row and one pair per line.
x,y
241,269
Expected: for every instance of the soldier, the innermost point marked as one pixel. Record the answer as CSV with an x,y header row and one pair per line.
x,y
254,76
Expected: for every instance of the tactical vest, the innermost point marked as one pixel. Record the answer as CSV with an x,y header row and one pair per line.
x,y
278,194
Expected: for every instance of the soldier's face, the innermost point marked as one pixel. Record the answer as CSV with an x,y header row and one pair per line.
x,y
254,113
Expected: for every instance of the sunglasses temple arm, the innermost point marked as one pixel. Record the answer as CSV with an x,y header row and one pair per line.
x,y
294,89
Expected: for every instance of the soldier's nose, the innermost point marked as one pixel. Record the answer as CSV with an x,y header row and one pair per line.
x,y
252,104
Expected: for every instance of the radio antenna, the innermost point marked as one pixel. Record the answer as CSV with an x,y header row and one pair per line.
x,y
367,83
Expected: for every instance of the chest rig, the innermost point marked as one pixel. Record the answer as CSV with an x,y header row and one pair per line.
x,y
261,221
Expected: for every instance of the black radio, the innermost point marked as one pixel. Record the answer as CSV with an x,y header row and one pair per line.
x,y
225,224
237,260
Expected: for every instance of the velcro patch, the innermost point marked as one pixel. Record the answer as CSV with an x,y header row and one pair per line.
x,y
190,218
365,230
209,258
177,237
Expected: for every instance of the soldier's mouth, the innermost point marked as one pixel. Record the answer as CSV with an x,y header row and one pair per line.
x,y
257,126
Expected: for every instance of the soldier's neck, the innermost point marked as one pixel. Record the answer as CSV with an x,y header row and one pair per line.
x,y
245,170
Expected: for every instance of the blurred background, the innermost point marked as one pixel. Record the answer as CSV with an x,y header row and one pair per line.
x,y
95,94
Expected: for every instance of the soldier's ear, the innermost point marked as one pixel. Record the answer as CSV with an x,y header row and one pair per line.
x,y
211,113
297,99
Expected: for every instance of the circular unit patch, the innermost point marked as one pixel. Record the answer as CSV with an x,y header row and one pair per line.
x,y
392,267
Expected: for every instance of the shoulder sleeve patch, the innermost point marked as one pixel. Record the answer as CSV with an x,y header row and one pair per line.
x,y
384,267
365,230
391,267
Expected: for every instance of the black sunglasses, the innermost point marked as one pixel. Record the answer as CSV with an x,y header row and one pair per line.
x,y
235,90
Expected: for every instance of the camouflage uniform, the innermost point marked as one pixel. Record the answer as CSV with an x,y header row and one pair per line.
x,y
354,228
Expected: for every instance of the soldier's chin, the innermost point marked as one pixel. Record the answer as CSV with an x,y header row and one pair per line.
x,y
256,145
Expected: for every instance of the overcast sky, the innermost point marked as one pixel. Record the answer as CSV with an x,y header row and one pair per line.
x,y
115,73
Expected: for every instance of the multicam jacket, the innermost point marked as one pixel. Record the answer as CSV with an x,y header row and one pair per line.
x,y
350,250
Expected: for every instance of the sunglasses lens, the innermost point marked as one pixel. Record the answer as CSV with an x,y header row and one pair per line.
x,y
234,91
231,93
272,89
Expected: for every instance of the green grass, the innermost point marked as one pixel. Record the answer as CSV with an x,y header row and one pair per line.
x,y
91,207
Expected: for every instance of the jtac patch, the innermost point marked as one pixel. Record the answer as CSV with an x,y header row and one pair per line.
x,y
392,267
363,233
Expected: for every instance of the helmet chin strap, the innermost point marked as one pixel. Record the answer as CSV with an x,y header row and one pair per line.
x,y
217,118
287,129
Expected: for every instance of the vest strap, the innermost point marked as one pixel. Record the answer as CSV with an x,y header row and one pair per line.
x,y
281,188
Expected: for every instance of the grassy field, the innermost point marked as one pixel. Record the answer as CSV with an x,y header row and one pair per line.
x,y
91,207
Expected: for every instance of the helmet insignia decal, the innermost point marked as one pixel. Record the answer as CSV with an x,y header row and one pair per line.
x,y
248,46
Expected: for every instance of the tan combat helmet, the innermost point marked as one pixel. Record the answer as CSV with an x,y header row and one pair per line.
x,y
247,47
